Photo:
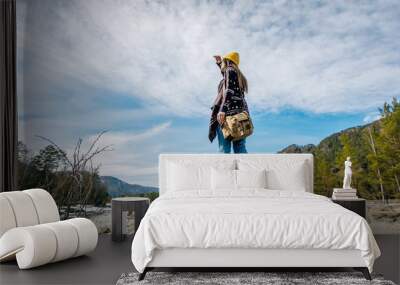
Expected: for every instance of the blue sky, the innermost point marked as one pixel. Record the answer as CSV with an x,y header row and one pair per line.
x,y
143,70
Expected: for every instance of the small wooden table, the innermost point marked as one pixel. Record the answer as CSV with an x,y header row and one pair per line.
x,y
138,205
358,205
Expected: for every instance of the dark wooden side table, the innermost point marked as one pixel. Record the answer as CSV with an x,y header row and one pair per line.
x,y
121,207
358,205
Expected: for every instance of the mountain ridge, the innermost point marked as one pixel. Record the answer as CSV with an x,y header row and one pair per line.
x,y
117,187
327,143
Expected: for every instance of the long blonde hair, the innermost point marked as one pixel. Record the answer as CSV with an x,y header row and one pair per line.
x,y
241,78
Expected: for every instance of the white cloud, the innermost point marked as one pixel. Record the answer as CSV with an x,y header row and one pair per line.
x,y
322,57
133,156
373,116
121,138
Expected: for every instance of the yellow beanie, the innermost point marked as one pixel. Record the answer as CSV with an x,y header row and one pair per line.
x,y
232,56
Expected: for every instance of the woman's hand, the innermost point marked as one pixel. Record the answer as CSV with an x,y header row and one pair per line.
x,y
218,59
221,118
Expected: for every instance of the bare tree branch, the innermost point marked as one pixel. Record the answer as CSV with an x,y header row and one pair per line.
x,y
94,142
81,174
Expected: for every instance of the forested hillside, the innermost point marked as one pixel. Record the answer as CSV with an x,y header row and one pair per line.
x,y
374,149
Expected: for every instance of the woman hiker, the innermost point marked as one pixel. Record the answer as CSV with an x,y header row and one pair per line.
x,y
230,101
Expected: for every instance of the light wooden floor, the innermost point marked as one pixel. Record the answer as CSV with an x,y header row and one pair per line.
x,y
110,260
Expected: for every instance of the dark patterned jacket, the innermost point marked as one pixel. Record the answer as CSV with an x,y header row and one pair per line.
x,y
233,101
230,100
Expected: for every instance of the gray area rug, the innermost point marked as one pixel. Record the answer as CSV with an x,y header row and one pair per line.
x,y
232,278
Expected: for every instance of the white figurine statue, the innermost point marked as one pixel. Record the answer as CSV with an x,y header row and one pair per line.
x,y
347,174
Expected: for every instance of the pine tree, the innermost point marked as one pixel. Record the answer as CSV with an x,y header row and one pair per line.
x,y
375,162
323,178
389,145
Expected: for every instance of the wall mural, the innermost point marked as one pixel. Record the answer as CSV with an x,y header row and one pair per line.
x,y
105,86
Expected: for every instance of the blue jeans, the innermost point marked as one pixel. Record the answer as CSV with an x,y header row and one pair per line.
x,y
225,145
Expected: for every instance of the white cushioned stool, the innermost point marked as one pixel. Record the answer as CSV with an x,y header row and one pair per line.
x,y
31,230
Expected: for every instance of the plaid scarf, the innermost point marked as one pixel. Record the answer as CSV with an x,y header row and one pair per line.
x,y
212,128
